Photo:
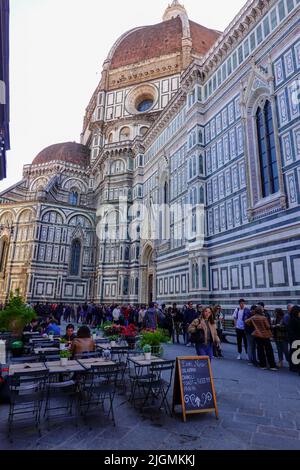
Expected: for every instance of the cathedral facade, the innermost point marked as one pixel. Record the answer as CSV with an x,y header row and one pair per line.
x,y
185,185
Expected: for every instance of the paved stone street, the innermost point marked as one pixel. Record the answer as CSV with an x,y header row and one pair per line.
x,y
258,410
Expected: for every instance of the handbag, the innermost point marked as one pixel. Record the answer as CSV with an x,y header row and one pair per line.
x,y
198,337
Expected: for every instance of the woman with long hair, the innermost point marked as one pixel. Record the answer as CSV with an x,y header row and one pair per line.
x,y
204,334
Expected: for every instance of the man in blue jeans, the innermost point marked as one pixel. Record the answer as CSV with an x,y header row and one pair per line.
x,y
239,316
251,340
189,316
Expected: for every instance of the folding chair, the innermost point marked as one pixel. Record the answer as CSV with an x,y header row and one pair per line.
x,y
61,393
88,355
155,384
98,386
120,355
27,392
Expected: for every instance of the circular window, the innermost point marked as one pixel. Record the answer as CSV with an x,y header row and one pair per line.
x,y
145,105
141,99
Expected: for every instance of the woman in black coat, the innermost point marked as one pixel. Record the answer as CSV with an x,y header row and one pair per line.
x,y
294,337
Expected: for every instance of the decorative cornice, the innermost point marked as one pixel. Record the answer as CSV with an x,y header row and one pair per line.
x,y
234,34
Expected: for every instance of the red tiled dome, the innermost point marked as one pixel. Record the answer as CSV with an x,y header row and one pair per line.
x,y
68,152
162,39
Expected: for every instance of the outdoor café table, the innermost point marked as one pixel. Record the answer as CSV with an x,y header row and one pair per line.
x,y
45,350
95,362
55,367
141,361
105,346
26,368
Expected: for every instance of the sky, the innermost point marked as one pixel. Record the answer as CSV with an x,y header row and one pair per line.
x,y
57,51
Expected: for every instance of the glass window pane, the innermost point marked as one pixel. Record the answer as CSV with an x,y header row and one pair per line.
x,y
290,5
266,26
274,20
281,10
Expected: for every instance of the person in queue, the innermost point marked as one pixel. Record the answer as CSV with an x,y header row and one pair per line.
x,y
189,316
239,316
263,334
294,338
204,331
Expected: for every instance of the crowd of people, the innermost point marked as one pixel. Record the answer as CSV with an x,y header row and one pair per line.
x,y
197,325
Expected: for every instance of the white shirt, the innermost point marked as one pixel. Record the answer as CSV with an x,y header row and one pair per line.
x,y
238,316
116,314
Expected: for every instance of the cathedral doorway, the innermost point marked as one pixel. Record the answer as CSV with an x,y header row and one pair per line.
x,y
148,284
150,289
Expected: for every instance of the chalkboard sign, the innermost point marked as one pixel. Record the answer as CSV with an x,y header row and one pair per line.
x,y
194,387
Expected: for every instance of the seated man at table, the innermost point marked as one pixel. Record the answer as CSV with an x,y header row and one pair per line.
x,y
83,343
32,327
52,327
70,335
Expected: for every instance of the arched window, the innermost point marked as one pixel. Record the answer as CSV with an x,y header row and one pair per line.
x,y
137,286
126,285
195,275
74,197
127,253
124,134
166,196
201,195
143,130
110,138
75,258
201,164
204,277
267,151
4,245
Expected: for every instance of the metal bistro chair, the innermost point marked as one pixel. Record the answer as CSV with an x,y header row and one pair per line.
x,y
98,386
27,392
155,385
120,356
61,394
88,355
49,357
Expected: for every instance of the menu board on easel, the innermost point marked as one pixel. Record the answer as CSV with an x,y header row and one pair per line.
x,y
194,388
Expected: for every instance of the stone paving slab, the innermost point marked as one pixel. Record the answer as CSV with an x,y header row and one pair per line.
x,y
259,410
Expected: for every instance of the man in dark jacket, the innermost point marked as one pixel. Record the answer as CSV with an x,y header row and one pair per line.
x,y
189,316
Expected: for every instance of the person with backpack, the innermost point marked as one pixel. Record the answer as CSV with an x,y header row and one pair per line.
x,y
203,333
263,334
151,317
189,316
251,341
240,314
219,319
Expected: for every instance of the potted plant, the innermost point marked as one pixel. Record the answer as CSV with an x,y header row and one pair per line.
x,y
154,339
113,340
17,348
64,357
62,344
147,352
129,333
16,315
